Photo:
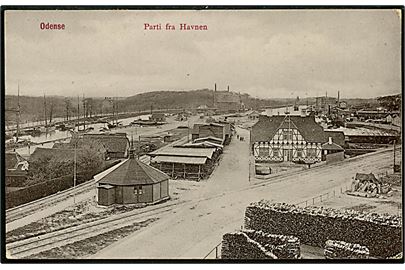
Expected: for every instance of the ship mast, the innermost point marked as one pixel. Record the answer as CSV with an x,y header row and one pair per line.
x,y
18,112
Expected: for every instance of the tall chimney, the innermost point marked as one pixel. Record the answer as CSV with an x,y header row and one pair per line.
x,y
228,88
215,87
338,100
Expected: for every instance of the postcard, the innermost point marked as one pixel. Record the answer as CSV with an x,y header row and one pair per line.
x,y
204,134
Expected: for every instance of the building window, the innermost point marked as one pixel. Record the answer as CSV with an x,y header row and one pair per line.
x,y
135,190
299,153
263,152
311,152
287,134
276,152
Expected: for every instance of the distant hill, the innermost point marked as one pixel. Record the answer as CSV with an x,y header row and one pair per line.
x,y
32,108
186,99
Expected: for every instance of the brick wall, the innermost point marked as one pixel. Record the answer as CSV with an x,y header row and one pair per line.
x,y
315,225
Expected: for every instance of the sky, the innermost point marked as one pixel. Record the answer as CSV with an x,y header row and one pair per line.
x,y
265,53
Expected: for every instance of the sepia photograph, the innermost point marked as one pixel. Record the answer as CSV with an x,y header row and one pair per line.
x,y
202,134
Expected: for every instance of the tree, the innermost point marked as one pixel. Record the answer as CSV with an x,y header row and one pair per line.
x,y
90,160
68,105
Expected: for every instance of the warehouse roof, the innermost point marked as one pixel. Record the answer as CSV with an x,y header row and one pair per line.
x,y
196,127
184,152
176,159
133,172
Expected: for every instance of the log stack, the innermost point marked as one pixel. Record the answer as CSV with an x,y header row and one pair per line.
x,y
249,244
315,225
342,250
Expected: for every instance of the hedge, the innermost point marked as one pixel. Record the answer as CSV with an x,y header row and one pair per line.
x,y
49,187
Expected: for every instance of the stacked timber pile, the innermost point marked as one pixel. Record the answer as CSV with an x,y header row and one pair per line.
x,y
398,256
367,185
342,250
315,225
248,244
283,246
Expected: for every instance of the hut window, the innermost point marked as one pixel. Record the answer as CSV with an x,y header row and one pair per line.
x,y
138,190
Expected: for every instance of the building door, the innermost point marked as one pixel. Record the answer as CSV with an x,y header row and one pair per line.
x,y
119,195
287,154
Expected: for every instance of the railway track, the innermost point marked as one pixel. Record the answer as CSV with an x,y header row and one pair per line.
x,y
34,206
35,245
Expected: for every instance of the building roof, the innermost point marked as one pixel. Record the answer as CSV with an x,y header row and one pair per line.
x,y
203,144
208,138
184,152
267,126
12,159
133,172
181,160
57,155
196,127
363,131
331,146
338,137
111,142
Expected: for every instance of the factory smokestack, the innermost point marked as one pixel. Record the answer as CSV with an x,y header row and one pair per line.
x,y
338,99
228,88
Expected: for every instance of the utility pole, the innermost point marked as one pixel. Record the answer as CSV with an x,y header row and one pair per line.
x,y
46,123
394,155
78,112
84,113
76,139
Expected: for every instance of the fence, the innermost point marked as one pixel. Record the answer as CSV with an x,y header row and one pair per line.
x,y
325,196
214,253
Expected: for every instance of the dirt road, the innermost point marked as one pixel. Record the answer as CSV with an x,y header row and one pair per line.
x,y
192,231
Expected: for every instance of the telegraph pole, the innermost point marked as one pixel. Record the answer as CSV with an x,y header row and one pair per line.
x,y
394,155
75,171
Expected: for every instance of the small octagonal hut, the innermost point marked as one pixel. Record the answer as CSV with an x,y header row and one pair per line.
x,y
133,182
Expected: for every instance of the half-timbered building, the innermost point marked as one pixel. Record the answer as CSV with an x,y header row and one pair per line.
x,y
287,138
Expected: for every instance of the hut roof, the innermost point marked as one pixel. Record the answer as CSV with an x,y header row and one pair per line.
x,y
133,172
